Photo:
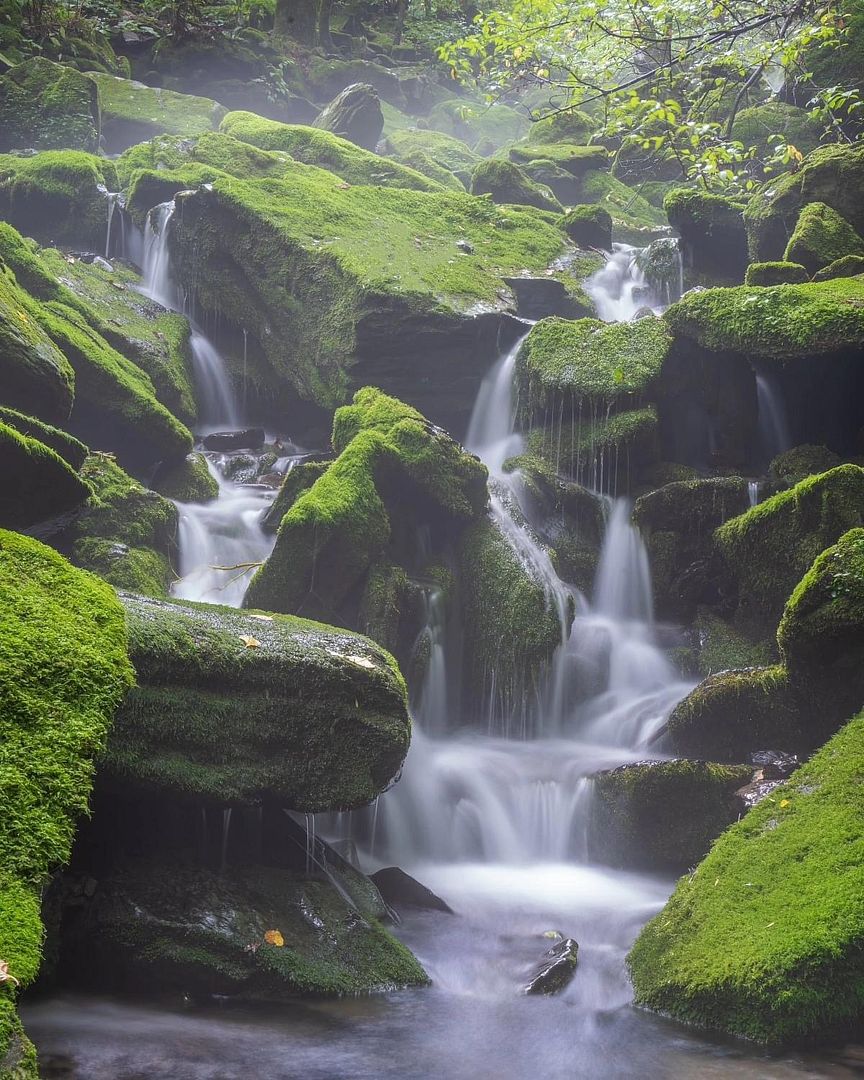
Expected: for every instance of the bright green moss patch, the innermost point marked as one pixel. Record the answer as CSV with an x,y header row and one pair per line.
x,y
57,196
48,106
188,481
37,482
213,153
573,126
311,716
446,151
312,146
139,570
577,160
66,446
589,226
298,480
63,670
776,273
848,266
505,183
764,940
821,237
780,323
133,112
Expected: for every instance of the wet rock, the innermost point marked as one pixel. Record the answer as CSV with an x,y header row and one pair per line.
x,y
774,765
540,297
401,890
556,969
248,439
355,114
753,793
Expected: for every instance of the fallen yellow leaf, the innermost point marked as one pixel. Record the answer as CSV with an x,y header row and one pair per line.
x,y
273,937
249,641
784,803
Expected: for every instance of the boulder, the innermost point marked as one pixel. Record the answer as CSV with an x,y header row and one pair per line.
x,y
188,481
48,106
66,446
567,126
36,484
821,237
234,707
768,126
847,266
133,112
576,160
505,183
448,153
589,226
776,273
225,441
556,969
795,465
354,114
297,480
713,237
763,940
400,890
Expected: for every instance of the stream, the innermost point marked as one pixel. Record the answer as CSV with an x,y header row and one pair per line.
x,y
494,821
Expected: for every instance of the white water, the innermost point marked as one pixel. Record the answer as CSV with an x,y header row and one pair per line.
x,y
774,434
620,289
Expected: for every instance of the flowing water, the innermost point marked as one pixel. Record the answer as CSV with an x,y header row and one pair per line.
x,y
496,821
773,424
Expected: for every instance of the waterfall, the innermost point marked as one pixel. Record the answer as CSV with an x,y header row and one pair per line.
x,y
622,288
158,282
774,435
217,405
116,209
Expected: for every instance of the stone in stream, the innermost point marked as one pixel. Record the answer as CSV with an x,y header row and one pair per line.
x,y
247,439
556,969
401,890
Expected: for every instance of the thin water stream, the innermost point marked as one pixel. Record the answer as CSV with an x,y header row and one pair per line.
x,y
495,821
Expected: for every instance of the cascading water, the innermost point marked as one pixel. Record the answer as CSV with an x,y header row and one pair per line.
x,y
623,288
774,435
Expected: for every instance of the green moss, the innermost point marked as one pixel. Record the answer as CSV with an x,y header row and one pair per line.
x,y
797,464
133,112
66,446
713,237
821,237
768,548
188,481
124,510
634,219
779,323
506,183
848,266
63,670
38,483
139,570
48,106
572,126
589,226
776,273
381,604
576,160
446,151
310,716
663,815
298,480
775,122
764,939
207,156
494,125
585,361
312,146
723,648
57,196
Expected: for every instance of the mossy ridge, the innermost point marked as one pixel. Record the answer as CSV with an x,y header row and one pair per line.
x,y
589,363
37,483
66,446
780,323
63,670
132,112
48,106
821,237
763,940
848,266
57,196
769,547
312,146
298,480
310,715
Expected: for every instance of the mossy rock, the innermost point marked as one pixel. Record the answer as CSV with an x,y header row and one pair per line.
x,y
822,237
776,273
589,227
634,219
505,183
713,237
63,671
312,146
848,266
797,464
757,126
298,480
783,323
133,112
723,648
832,175
585,364
72,450
37,483
136,569
767,549
233,707
571,126
189,481
48,106
494,125
390,458
662,815
763,941
181,928
36,376
58,196
446,151
354,114
576,160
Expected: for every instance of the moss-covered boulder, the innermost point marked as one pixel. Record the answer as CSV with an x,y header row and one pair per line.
x,y
72,450
767,549
313,146
187,481
821,237
722,647
48,106
713,237
354,114
391,462
589,226
37,483
576,160
414,148
634,219
234,707
505,183
570,126
763,940
776,273
847,266
797,464
774,123
133,112
63,671
831,175
58,196
298,480
662,815
491,126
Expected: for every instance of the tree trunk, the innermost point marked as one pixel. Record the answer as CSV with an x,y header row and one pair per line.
x,y
297,19
324,39
401,9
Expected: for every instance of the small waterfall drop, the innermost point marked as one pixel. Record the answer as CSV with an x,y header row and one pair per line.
x,y
774,435
158,281
217,405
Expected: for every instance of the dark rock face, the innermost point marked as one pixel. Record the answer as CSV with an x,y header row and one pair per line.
x,y
713,236
556,969
248,439
355,114
540,297
401,890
